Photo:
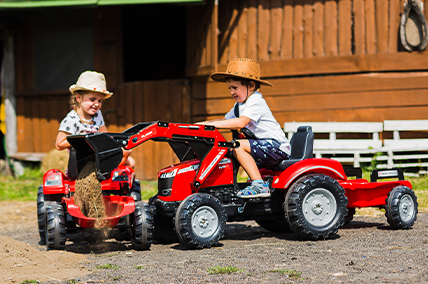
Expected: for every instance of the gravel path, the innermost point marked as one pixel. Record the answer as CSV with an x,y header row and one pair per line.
x,y
365,251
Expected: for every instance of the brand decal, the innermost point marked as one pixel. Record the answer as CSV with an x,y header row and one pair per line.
x,y
147,134
188,169
387,173
224,161
169,174
211,165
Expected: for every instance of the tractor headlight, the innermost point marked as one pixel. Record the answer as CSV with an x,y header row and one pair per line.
x,y
54,179
120,176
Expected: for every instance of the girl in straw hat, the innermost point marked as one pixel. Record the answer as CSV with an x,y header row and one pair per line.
x,y
242,78
87,96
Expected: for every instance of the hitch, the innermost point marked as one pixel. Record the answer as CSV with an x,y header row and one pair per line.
x,y
102,148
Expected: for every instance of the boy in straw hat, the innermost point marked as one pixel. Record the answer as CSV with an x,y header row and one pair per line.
x,y
242,78
87,96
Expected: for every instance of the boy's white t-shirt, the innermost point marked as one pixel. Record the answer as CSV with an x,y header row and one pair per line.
x,y
74,125
263,124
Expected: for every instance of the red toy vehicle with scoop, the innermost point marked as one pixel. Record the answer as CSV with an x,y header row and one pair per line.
x,y
309,196
57,212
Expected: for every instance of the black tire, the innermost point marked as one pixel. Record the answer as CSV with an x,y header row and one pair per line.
x,y
136,190
164,229
315,206
275,225
55,225
401,207
142,226
123,231
350,216
41,214
200,221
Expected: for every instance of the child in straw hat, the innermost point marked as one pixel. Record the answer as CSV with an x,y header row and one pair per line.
x,y
87,96
251,111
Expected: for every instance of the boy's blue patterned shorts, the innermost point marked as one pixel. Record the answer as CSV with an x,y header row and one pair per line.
x,y
266,152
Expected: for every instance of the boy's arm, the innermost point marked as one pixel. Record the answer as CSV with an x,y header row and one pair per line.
x,y
233,123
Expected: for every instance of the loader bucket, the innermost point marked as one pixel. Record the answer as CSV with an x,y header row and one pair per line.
x,y
98,147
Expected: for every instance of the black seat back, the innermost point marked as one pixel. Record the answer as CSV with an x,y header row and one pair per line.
x,y
72,165
302,145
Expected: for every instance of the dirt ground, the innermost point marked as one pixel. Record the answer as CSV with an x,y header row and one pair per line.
x,y
365,251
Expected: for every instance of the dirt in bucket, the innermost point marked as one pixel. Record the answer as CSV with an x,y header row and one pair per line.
x,y
88,194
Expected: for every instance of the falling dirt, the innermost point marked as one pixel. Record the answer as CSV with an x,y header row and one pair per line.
x,y
88,194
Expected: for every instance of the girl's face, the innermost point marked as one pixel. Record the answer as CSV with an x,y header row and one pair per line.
x,y
90,103
239,92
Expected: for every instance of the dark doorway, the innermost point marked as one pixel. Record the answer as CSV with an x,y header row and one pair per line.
x,y
154,42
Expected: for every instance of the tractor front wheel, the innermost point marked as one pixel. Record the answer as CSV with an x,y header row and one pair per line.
x,y
41,215
142,226
200,221
55,225
315,206
401,207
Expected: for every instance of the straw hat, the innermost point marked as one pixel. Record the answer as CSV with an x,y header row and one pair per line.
x,y
91,81
241,68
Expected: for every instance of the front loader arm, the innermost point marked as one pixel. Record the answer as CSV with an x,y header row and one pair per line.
x,y
205,142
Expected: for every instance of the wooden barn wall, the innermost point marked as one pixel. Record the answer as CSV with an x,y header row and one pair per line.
x,y
40,113
39,117
167,100
328,60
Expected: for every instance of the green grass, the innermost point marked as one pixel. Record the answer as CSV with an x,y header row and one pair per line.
x,y
22,188
108,266
149,188
29,281
223,270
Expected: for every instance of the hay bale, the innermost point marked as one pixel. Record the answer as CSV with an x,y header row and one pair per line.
x,y
55,159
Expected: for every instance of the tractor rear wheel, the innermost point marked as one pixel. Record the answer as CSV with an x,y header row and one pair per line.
x,y
41,215
315,206
142,226
401,207
350,216
200,221
55,225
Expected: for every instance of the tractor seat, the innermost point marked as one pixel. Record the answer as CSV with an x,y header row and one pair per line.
x,y
302,144
72,165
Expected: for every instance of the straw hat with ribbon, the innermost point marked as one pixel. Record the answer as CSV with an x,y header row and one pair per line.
x,y
91,81
243,68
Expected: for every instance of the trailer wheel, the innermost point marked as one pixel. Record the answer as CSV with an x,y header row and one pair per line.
x,y
401,207
200,221
277,224
55,225
315,206
41,215
142,226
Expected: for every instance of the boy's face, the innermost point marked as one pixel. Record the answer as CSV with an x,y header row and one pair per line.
x,y
91,102
239,92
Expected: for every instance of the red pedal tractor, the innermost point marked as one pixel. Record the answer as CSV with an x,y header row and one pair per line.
x,y
197,196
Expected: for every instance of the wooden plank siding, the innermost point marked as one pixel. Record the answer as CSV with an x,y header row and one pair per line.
x,y
169,100
329,60
360,97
